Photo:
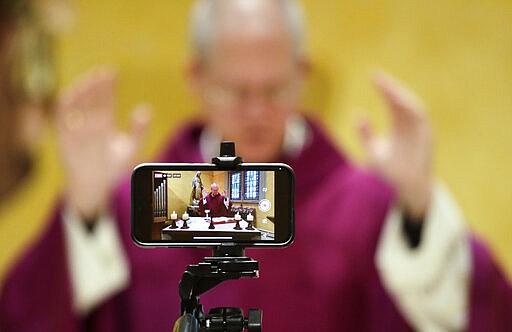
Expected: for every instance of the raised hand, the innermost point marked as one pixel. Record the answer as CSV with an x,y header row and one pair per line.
x,y
95,152
404,156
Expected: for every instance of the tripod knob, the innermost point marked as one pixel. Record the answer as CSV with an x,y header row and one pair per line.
x,y
254,320
225,319
230,319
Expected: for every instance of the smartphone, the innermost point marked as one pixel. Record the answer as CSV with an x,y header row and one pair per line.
x,y
206,205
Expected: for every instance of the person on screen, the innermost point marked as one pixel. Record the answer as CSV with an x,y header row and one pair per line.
x,y
391,252
217,204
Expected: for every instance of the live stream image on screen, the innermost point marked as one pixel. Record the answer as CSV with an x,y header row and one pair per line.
x,y
213,205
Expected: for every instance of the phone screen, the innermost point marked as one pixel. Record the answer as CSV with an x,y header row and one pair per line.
x,y
202,205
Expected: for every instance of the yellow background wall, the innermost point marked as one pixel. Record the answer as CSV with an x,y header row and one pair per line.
x,y
456,54
178,192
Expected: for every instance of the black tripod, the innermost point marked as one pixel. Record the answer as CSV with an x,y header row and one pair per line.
x,y
228,262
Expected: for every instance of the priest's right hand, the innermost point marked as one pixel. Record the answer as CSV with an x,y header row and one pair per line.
x,y
94,152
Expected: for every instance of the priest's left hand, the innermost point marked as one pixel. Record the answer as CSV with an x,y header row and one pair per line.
x,y
403,157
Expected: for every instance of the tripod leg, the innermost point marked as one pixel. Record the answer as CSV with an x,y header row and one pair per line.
x,y
254,320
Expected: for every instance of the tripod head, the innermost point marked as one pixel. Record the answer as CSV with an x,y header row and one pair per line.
x,y
227,262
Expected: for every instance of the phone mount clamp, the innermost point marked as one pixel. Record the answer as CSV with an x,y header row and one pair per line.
x,y
228,262
227,158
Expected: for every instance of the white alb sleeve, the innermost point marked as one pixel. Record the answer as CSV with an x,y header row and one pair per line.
x,y
429,283
96,261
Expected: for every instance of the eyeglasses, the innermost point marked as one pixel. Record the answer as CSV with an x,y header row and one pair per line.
x,y
228,97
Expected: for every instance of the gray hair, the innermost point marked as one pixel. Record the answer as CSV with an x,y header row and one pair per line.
x,y
204,17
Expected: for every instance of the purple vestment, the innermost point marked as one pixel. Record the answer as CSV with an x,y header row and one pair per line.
x,y
216,205
325,281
